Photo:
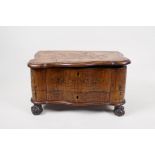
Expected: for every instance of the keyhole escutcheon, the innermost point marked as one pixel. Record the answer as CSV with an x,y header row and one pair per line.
x,y
78,74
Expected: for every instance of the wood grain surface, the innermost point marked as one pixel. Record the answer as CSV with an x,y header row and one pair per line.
x,y
78,78
47,59
80,86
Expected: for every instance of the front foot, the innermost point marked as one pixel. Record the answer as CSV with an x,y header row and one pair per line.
x,y
36,109
119,110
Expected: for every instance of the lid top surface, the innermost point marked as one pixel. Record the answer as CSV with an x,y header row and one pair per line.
x,y
77,59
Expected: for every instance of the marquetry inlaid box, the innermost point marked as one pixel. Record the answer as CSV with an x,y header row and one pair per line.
x,y
78,78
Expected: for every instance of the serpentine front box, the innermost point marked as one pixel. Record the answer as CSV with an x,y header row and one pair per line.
x,y
78,78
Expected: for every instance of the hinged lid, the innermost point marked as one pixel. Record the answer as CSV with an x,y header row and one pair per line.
x,y
46,59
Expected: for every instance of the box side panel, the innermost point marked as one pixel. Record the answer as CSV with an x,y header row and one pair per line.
x,y
118,80
38,83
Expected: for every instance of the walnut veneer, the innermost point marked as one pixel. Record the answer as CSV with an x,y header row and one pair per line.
x,y
78,78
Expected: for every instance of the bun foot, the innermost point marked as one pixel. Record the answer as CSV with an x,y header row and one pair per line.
x,y
119,110
36,109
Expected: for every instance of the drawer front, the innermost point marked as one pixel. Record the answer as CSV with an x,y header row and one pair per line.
x,y
79,86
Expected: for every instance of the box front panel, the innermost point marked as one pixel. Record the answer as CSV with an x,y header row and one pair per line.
x,y
79,85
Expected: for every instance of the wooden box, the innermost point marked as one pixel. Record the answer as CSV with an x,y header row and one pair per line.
x,y
78,78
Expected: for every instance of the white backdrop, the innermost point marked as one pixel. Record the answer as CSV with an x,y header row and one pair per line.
x,y
18,45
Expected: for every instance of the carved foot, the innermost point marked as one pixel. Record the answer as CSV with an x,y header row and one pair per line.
x,y
119,110
36,109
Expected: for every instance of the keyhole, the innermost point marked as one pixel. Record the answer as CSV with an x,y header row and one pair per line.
x,y
78,74
77,97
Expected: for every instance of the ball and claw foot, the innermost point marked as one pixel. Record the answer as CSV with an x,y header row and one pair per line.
x,y
36,109
119,110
